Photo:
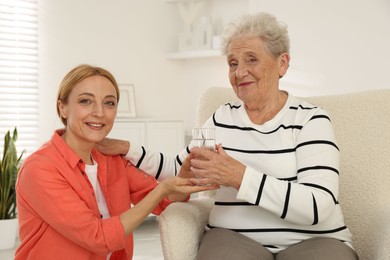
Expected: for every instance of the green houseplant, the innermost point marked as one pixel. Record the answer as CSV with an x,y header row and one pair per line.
x,y
9,167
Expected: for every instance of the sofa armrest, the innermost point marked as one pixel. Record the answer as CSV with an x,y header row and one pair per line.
x,y
381,234
182,227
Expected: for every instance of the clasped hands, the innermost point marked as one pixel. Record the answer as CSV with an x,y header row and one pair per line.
x,y
203,167
207,167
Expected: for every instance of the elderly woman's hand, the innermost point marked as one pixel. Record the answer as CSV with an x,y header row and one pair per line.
x,y
111,146
185,169
218,167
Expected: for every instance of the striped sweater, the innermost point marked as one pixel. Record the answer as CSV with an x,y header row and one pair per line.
x,y
289,191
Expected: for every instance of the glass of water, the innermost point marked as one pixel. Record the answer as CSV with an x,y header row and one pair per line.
x,y
203,137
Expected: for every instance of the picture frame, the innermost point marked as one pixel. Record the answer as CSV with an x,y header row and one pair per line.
x,y
126,105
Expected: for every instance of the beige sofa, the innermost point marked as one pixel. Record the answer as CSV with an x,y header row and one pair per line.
x,y
362,126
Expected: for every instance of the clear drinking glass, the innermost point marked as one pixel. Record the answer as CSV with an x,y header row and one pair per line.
x,y
203,137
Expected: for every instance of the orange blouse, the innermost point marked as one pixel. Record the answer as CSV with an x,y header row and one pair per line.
x,y
57,210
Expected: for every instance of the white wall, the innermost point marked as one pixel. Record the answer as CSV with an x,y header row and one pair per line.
x,y
130,38
337,46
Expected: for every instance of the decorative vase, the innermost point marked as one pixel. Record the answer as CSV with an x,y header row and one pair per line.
x,y
204,33
8,230
187,40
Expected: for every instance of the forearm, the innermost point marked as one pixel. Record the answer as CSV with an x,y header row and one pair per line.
x,y
174,189
178,197
156,164
134,216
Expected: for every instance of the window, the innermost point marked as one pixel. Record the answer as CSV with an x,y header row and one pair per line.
x,y
19,72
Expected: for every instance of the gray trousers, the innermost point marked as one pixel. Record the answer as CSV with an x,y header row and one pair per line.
x,y
225,244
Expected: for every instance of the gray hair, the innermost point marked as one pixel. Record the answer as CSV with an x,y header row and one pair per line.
x,y
263,25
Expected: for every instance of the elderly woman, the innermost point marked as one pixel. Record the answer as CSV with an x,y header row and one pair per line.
x,y
277,162
74,202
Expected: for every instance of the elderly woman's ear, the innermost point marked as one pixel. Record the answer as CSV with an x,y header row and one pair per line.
x,y
284,63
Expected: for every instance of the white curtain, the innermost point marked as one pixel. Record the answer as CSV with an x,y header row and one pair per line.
x,y
19,72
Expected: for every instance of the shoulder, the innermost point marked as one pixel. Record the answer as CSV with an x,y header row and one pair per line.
x,y
110,160
46,156
40,168
117,165
228,113
229,109
305,111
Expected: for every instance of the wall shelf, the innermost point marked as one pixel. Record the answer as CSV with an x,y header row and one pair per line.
x,y
193,54
185,1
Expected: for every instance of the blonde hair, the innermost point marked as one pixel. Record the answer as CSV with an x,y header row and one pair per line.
x,y
75,76
263,25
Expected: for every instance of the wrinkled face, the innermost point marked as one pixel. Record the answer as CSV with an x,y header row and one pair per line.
x,y
90,111
253,71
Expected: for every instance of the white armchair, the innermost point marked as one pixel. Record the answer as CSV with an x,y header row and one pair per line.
x,y
362,125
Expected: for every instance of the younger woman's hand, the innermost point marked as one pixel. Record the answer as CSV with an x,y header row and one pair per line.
x,y
178,188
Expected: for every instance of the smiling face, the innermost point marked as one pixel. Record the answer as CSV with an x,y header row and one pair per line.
x,y
253,71
90,112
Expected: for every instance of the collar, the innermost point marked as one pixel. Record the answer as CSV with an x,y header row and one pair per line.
x,y
67,153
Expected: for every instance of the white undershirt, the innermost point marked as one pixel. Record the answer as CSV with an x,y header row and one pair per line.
x,y
91,171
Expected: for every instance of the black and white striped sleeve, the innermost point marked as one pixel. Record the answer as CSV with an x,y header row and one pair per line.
x,y
155,163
